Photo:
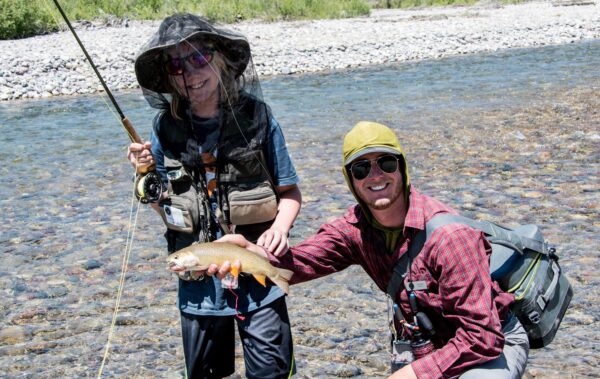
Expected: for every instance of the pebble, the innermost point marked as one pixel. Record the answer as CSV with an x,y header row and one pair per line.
x,y
91,264
296,47
13,334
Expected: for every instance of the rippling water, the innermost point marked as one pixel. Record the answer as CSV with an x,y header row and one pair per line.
x,y
512,136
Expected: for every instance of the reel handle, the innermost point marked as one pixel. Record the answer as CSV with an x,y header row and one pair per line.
x,y
148,187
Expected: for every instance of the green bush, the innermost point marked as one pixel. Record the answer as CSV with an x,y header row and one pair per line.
x,y
23,18
272,10
19,19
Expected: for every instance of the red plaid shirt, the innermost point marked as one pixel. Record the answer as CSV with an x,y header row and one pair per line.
x,y
464,305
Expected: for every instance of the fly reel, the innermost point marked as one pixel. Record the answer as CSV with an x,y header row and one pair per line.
x,y
148,187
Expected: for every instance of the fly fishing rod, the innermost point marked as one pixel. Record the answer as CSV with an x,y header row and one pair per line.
x,y
148,185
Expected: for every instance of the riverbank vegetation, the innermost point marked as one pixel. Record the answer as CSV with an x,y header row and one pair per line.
x,y
20,19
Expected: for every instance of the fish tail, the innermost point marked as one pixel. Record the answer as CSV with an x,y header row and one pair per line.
x,y
282,278
285,274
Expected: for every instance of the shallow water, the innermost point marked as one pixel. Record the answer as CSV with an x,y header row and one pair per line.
x,y
512,136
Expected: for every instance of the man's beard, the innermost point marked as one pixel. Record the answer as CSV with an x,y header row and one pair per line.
x,y
381,204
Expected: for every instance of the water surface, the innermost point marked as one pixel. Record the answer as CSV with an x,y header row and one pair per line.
x,y
512,136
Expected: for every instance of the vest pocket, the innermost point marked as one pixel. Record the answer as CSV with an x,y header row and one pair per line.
x,y
180,211
252,204
177,214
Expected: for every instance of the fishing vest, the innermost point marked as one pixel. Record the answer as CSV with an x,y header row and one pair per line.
x,y
246,198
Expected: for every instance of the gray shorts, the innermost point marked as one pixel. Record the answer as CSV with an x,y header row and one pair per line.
x,y
513,360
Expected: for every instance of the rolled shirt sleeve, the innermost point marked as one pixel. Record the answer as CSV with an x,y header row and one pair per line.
x,y
321,254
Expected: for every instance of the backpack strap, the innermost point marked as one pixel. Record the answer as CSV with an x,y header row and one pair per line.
x,y
496,234
401,267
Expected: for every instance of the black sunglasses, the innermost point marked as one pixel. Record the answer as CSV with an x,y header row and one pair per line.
x,y
386,163
197,59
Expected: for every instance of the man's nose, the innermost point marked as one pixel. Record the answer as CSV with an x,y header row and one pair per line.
x,y
375,170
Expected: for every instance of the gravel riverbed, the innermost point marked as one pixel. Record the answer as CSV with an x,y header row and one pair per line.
x,y
53,65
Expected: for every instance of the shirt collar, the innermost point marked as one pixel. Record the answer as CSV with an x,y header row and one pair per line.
x,y
415,216
354,214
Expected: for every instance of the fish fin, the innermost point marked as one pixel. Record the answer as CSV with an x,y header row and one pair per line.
x,y
261,279
285,274
281,282
235,271
282,278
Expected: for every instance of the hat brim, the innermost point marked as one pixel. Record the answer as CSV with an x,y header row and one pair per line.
x,y
371,149
149,68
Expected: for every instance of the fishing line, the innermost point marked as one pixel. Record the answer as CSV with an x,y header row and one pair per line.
x,y
149,182
124,264
133,136
238,315
133,216
291,367
57,21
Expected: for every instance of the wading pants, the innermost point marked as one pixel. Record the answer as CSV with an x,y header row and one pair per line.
x,y
513,360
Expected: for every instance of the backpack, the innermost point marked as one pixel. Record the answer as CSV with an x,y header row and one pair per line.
x,y
521,262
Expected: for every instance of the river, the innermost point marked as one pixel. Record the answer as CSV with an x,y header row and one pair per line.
x,y
512,136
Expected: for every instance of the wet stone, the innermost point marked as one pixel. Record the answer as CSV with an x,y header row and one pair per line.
x,y
342,370
13,335
91,264
61,272
149,254
12,350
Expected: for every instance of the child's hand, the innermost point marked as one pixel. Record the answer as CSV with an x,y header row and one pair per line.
x,y
140,156
275,241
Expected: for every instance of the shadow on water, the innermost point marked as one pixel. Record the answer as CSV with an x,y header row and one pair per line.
x,y
510,136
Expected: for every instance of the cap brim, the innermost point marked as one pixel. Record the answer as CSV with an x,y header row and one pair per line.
x,y
372,149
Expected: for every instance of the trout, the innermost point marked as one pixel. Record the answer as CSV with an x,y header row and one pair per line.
x,y
199,256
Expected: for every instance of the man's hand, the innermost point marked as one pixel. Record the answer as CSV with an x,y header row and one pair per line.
x,y
140,156
224,269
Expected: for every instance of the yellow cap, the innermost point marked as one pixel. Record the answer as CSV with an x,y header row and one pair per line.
x,y
371,137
